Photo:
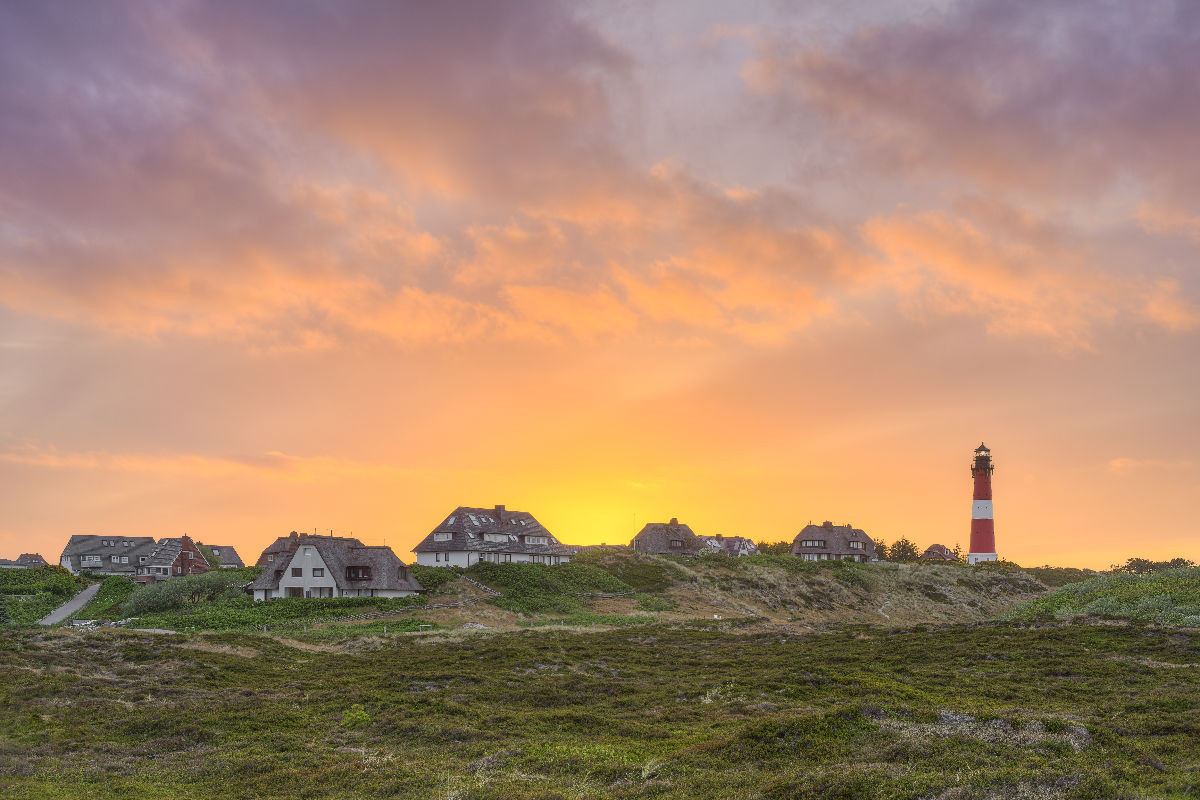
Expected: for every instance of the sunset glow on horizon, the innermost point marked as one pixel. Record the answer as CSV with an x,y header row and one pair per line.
x,y
347,266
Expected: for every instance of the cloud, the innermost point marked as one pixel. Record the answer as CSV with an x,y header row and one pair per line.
x,y
1068,99
1123,465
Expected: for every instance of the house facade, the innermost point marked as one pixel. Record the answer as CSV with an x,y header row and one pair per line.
x,y
226,555
23,561
106,555
171,558
471,535
335,566
668,538
826,542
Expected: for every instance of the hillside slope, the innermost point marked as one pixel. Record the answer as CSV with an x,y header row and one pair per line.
x,y
774,589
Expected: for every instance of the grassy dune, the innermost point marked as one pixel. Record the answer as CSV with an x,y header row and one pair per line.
x,y
1168,597
667,711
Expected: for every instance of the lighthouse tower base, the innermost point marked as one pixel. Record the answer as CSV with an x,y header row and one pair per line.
x,y
975,558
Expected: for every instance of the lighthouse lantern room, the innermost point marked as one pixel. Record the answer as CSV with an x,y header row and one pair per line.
x,y
983,531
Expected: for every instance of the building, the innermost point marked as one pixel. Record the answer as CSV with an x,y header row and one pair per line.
x,y
23,561
471,535
732,545
226,555
829,542
983,530
278,548
171,558
106,555
668,538
335,566
938,552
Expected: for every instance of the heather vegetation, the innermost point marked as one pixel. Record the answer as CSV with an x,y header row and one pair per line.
x,y
677,710
1165,597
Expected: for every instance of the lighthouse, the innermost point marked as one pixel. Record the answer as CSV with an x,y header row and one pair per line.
x,y
983,530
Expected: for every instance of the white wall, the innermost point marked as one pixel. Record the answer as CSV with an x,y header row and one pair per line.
x,y
465,558
306,559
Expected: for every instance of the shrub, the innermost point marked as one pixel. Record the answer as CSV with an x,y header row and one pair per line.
x,y
530,588
433,578
356,717
179,593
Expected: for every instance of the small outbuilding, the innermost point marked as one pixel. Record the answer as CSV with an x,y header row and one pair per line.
x,y
829,542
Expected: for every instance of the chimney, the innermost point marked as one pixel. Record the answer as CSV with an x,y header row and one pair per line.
x,y
500,513
674,521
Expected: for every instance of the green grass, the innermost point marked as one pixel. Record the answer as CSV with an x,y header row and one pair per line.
x,y
1169,597
963,712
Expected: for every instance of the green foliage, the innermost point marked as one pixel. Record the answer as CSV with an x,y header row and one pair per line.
x,y
214,562
1145,566
434,578
52,579
644,573
533,588
902,550
774,548
1166,597
27,595
181,593
356,717
649,602
1060,576
244,612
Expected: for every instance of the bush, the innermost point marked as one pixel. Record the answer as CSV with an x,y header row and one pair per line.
x,y
244,612
180,593
1167,597
51,578
433,578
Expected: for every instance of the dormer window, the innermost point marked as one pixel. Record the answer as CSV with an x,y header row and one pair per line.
x,y
676,543
358,573
537,540
443,537
495,537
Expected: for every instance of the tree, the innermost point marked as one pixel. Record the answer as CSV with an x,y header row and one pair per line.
x,y
958,553
774,548
1144,566
903,550
209,556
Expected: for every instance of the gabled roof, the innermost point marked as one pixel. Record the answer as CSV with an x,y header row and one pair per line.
x,y
93,545
387,571
284,544
225,554
656,537
467,529
165,553
31,559
837,540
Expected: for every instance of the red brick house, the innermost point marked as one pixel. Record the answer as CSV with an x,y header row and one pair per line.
x,y
172,558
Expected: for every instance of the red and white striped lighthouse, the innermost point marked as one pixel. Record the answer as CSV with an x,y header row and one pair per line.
x,y
983,529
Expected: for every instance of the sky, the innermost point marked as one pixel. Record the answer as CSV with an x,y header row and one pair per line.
x,y
345,266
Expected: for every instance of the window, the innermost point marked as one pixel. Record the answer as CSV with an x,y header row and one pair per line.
x,y
358,573
216,551
495,537
813,543
270,558
141,559
856,545
124,559
125,544
536,540
297,572
89,559
190,554
179,570
318,572
676,543
116,559
443,537
308,551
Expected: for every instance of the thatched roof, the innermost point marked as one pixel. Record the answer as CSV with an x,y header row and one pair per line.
x,y
468,529
225,554
666,538
835,541
89,545
387,571
938,552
